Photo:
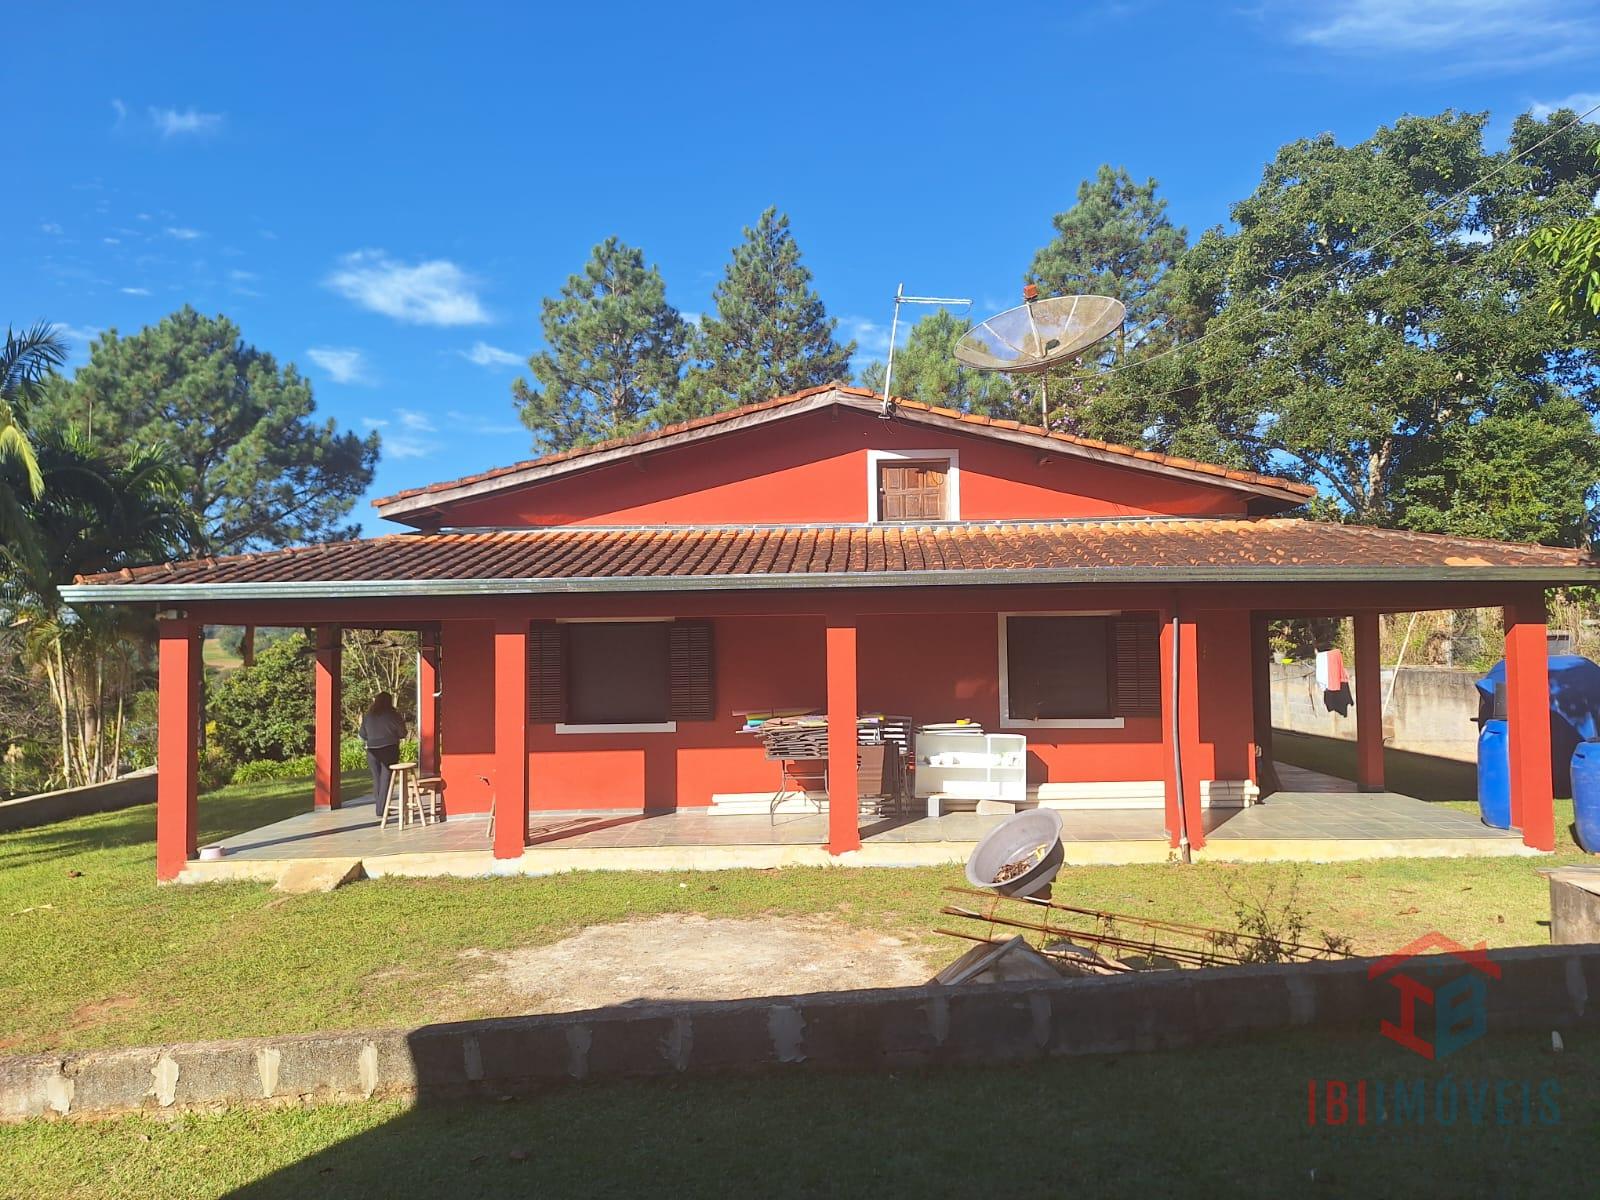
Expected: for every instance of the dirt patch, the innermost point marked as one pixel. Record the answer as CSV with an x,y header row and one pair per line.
x,y
87,1016
679,957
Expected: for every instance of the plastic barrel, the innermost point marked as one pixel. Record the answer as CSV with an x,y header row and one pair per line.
x,y
1494,775
1586,794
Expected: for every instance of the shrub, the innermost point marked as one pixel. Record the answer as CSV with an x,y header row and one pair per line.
x,y
268,710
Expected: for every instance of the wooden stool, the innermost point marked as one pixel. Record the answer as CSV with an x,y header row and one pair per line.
x,y
403,799
431,791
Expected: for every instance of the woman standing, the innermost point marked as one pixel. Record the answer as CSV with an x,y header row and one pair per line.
x,y
381,730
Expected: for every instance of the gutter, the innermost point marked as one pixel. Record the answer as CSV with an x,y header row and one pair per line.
x,y
125,593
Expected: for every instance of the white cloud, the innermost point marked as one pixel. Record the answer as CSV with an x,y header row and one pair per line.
x,y
871,337
1578,102
185,122
485,355
111,241
78,333
121,109
435,292
400,446
51,227
374,422
476,423
1471,35
414,420
693,318
182,233
344,364
135,291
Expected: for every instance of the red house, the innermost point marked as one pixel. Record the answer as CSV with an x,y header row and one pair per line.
x,y
598,622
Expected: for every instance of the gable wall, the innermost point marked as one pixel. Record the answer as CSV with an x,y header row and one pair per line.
x,y
814,467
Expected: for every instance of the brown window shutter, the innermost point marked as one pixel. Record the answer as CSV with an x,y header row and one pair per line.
x,y
691,691
1136,666
912,491
547,692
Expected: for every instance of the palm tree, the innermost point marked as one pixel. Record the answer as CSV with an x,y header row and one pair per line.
x,y
96,511
27,358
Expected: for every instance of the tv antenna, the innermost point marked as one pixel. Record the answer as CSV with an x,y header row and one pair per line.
x,y
900,298
1039,334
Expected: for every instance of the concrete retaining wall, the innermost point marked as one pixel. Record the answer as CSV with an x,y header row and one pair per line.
x,y
138,787
1431,711
1540,987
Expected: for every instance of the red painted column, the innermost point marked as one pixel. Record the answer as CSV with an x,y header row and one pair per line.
x,y
844,826
177,747
510,738
1528,720
1369,704
1182,787
328,732
428,703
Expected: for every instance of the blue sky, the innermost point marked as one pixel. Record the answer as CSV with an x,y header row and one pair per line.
x,y
382,193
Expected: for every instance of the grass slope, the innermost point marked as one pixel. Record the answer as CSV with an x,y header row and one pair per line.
x,y
96,954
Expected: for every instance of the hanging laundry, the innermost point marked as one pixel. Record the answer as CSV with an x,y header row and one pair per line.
x,y
1330,670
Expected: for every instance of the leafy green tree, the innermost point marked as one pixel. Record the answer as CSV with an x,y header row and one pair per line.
x,y
615,351
770,335
267,711
1571,249
1361,319
925,369
255,466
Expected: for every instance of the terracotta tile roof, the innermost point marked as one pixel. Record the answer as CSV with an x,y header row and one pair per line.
x,y
796,555
978,421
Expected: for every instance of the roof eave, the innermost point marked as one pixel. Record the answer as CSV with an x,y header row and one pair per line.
x,y
134,593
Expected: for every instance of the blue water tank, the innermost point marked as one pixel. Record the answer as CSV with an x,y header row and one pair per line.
x,y
1586,794
1494,775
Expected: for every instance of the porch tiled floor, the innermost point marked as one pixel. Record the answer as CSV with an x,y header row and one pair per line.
x,y
1322,819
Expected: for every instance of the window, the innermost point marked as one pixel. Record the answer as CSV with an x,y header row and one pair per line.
x,y
1084,670
616,673
619,676
913,485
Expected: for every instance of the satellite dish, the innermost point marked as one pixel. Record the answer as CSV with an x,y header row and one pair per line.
x,y
1039,334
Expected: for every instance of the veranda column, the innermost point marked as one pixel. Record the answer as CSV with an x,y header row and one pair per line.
x,y
1266,770
510,738
428,703
247,646
844,828
1528,720
328,733
177,747
1369,704
1180,729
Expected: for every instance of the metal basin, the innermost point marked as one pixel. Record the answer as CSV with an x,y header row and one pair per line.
x,y
1012,839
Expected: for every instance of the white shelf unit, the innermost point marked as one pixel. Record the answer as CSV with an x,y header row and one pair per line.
x,y
973,766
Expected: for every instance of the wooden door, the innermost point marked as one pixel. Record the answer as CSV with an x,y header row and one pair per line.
x,y
912,491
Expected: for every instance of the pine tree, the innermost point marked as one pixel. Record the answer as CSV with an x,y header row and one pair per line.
x,y
925,369
615,350
1116,240
770,335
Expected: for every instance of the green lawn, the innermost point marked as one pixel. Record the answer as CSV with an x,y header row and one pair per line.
x,y
1222,1121
96,954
